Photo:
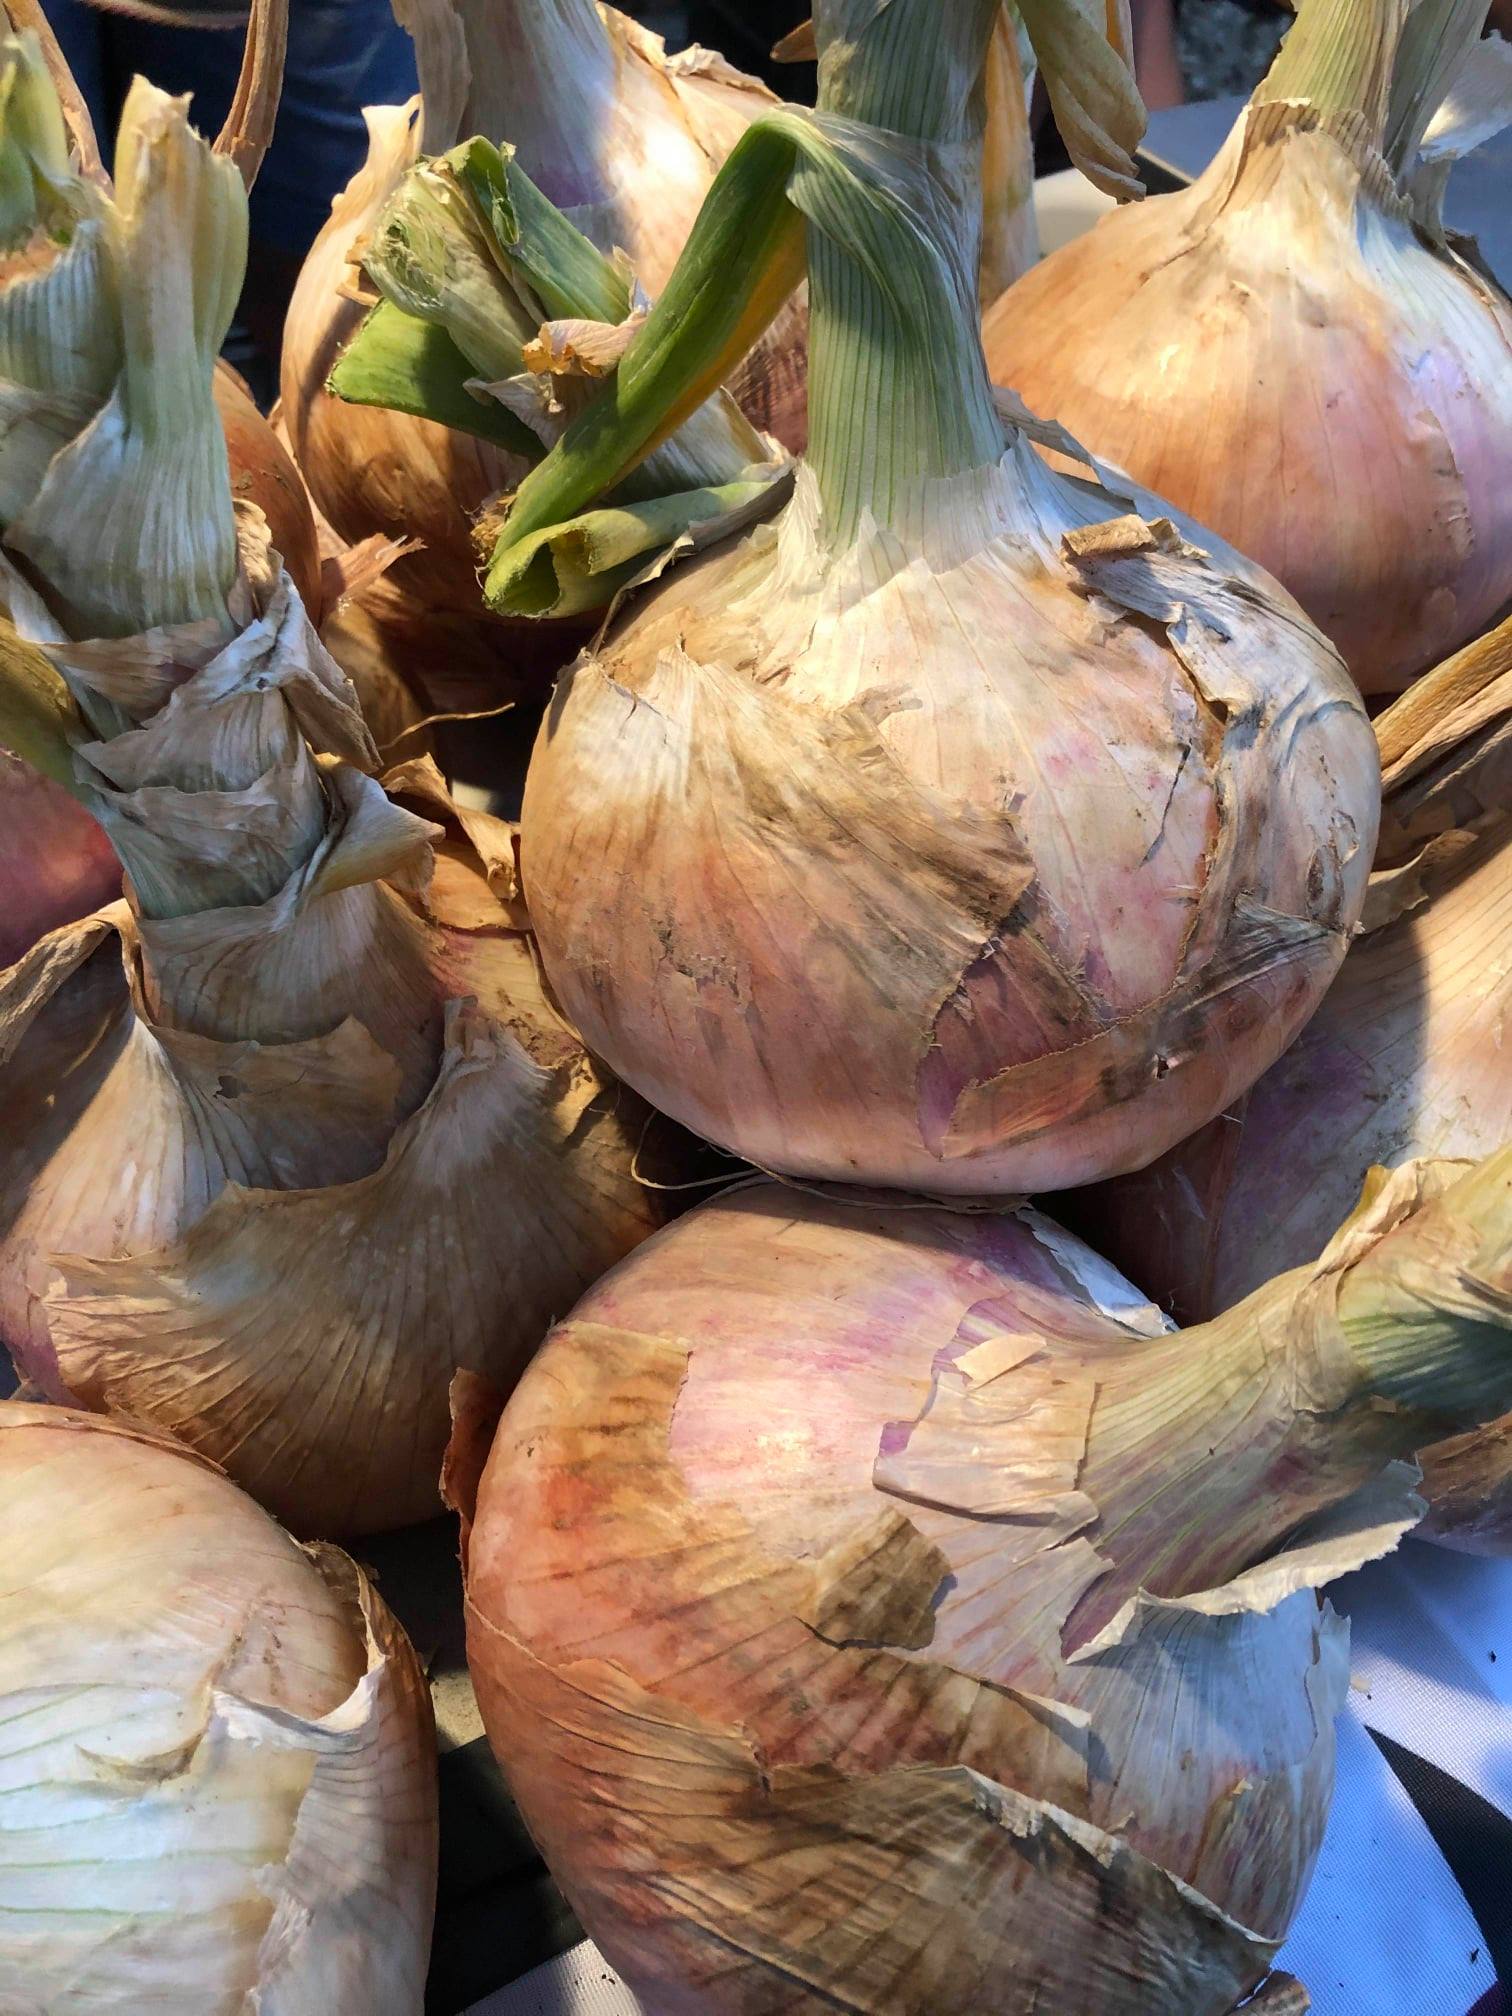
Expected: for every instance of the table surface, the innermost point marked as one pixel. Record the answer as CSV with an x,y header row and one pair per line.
x,y
1182,141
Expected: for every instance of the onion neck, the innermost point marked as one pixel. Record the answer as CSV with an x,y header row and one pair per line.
x,y
1234,1434
544,78
1338,58
898,384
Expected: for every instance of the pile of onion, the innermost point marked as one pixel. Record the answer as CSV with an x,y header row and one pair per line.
x,y
216,1746
877,1609
1406,1057
1294,351
959,829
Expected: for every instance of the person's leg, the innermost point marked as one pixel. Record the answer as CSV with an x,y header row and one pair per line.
x,y
1157,66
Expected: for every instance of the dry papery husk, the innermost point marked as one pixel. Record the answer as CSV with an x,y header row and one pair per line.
x,y
661,128
879,1609
217,1746
976,858
1294,353
297,1132
1406,1057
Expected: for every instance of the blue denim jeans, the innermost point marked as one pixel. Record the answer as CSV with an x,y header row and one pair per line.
x,y
343,54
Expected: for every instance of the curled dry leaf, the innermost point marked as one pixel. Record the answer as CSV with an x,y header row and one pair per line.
x,y
219,1739
1406,1057
990,1674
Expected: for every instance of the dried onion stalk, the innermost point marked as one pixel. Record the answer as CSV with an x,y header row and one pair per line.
x,y
1295,352
216,1747
954,831
295,1131
878,1609
1406,1058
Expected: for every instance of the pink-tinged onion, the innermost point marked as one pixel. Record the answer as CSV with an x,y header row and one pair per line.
x,y
216,1754
55,863
1292,350
959,828
263,473
880,1610
1408,1056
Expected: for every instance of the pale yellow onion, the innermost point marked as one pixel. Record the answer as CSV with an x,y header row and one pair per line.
x,y
216,1751
1288,353
1408,1056
603,118
875,1609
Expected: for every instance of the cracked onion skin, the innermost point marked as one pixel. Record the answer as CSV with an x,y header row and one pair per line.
x,y
879,1609
970,861
216,1746
1280,352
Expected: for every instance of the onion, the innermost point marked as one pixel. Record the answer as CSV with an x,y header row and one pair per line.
x,y
875,1609
952,832
216,1748
1295,352
295,1131
55,863
611,127
263,473
1406,1057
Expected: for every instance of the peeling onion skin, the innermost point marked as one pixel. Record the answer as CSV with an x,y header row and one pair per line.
x,y
667,126
1279,352
945,865
218,1741
1406,1057
55,863
782,1584
273,1171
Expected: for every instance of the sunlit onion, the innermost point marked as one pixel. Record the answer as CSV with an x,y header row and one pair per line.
x,y
217,1776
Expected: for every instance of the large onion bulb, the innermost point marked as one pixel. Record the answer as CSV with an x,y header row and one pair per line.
x,y
1292,350
963,830
878,1610
216,1758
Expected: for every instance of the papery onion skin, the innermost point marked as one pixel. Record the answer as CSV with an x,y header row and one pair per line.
x,y
781,1579
217,1748
947,874
55,863
1406,1057
1279,352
